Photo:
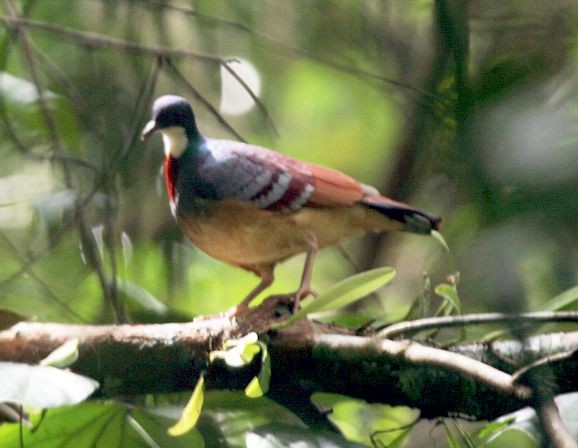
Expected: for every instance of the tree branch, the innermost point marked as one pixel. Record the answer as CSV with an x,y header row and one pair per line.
x,y
307,357
429,323
288,49
418,354
553,425
95,40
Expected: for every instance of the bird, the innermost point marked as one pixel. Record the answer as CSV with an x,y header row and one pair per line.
x,y
252,207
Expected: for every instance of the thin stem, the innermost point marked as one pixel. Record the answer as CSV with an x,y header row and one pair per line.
x,y
94,40
289,49
205,101
518,374
476,319
51,295
57,145
254,97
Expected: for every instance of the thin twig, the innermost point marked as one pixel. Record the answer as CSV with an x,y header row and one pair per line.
x,y
518,374
100,41
54,241
51,295
205,101
254,97
56,144
345,254
476,319
57,74
375,434
64,157
114,164
291,50
138,114
94,40
55,237
7,42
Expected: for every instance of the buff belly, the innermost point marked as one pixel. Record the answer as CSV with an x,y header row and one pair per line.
x,y
239,234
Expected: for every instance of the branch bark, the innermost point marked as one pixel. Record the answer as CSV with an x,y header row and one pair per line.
x,y
308,357
553,425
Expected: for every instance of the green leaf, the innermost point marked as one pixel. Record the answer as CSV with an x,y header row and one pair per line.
x,y
283,436
325,401
259,385
99,425
63,356
42,386
450,294
344,293
512,437
467,439
566,300
400,439
236,414
254,388
492,428
452,441
192,410
151,431
523,429
357,420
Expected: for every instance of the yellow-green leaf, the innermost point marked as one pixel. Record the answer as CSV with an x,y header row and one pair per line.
x,y
259,385
253,389
450,294
63,356
191,412
566,300
344,293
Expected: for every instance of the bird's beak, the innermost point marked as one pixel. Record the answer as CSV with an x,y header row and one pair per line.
x,y
150,128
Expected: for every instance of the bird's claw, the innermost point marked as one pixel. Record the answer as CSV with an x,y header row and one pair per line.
x,y
301,294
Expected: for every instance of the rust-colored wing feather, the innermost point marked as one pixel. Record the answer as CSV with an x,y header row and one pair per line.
x,y
333,188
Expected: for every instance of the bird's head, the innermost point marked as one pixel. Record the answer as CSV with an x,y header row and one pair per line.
x,y
173,117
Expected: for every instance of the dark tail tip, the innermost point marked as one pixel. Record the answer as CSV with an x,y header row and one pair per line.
x,y
415,221
420,222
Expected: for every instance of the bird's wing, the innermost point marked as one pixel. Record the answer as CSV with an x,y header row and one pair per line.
x,y
272,181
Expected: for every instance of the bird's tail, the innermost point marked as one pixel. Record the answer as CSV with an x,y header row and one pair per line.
x,y
413,220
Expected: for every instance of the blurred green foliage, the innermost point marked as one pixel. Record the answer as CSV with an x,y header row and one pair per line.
x,y
479,124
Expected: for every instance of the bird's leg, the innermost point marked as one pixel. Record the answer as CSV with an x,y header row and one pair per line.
x,y
305,289
305,286
267,278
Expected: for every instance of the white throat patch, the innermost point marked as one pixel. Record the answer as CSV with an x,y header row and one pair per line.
x,y
175,141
